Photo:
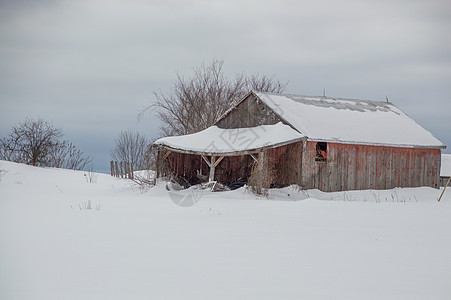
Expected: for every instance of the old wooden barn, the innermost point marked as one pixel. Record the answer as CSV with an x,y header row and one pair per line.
x,y
331,144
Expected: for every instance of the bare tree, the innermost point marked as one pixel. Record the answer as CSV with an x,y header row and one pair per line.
x,y
67,156
31,142
195,103
131,147
39,143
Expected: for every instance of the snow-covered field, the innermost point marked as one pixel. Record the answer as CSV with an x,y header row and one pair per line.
x,y
136,244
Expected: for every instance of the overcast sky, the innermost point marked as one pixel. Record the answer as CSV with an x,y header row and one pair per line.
x,y
91,66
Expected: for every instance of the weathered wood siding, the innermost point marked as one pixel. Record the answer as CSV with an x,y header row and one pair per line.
x,y
250,112
187,165
348,167
357,167
287,162
230,169
233,168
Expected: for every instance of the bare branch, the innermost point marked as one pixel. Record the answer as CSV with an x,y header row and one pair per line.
x,y
39,143
195,103
131,147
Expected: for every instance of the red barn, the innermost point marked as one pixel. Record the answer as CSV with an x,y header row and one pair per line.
x,y
331,144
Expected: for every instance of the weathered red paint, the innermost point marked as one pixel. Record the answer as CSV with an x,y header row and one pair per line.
x,y
348,167
352,167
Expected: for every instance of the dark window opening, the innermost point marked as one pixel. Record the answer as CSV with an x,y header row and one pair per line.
x,y
321,151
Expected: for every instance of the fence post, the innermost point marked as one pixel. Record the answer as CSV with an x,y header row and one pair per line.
x,y
121,169
111,168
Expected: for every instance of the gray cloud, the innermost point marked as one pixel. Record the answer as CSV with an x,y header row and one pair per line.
x,y
90,66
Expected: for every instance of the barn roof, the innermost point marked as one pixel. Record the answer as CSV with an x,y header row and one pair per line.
x,y
349,121
217,141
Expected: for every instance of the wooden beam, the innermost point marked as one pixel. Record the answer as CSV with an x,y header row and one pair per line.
x,y
166,155
212,165
218,161
212,169
206,160
253,157
261,157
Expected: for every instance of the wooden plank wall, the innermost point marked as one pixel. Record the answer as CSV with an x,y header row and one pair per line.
x,y
249,113
234,168
230,169
287,162
186,165
348,167
352,167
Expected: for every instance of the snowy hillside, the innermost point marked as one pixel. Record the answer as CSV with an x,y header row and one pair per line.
x,y
138,244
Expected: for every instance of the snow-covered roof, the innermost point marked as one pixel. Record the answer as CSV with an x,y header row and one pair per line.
x,y
349,120
445,167
218,141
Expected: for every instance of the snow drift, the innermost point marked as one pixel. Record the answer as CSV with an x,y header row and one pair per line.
x,y
137,244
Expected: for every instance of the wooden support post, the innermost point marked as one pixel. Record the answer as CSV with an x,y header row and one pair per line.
x,y
446,185
254,158
212,168
261,174
200,167
206,160
117,169
218,161
158,163
260,168
166,154
212,165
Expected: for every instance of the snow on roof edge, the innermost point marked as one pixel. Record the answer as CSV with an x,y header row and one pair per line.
x,y
219,141
261,95
322,97
232,153
376,144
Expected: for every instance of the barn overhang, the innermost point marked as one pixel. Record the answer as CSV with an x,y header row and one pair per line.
x,y
379,144
214,143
